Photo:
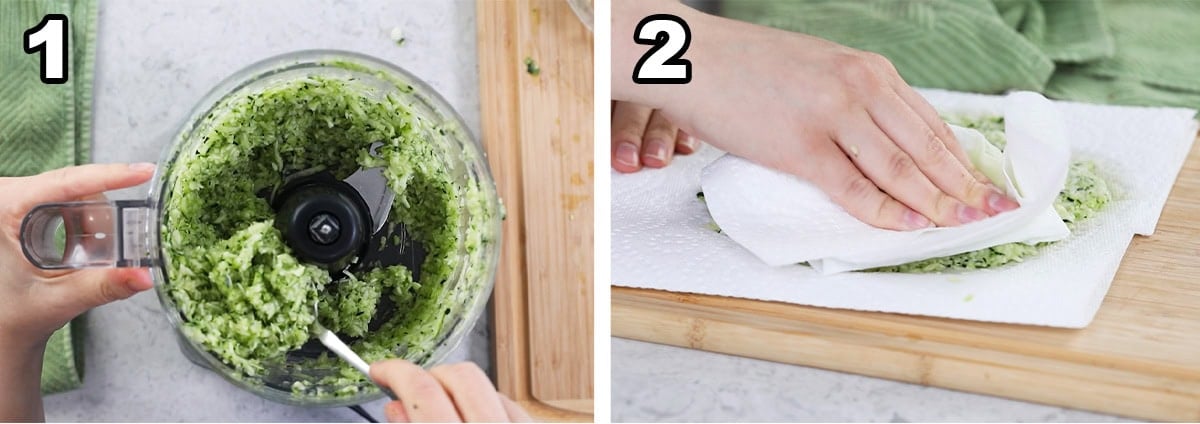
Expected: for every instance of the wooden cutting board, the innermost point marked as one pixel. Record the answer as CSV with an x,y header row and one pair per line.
x,y
538,132
1140,357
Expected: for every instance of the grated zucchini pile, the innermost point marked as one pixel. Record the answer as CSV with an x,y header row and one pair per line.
x,y
241,293
1084,194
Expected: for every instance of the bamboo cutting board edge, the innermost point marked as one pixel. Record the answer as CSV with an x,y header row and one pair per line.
x,y
544,368
916,363
1154,300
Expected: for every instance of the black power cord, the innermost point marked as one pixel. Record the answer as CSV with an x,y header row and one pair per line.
x,y
363,413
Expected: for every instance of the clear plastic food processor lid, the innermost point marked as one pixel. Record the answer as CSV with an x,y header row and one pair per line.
x,y
317,186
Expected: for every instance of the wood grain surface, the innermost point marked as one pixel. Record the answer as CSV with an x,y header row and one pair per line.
x,y
1140,357
538,132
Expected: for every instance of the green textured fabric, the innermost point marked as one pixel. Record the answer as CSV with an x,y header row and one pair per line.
x,y
1078,33
1157,60
43,127
924,39
62,366
1135,52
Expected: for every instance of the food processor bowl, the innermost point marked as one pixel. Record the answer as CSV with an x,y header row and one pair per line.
x,y
584,9
131,232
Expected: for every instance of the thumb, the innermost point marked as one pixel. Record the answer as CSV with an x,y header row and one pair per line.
x,y
87,289
71,183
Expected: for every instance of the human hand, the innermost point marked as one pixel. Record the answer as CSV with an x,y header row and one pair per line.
x,y
36,302
643,137
840,118
447,393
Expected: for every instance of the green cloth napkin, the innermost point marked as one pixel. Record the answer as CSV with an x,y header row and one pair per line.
x,y
62,366
43,127
1134,52
1157,60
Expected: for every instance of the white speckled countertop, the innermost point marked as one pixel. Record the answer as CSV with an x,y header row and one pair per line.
x,y
154,61
653,382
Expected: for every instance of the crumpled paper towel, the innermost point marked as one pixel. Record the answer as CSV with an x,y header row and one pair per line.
x,y
785,220
662,236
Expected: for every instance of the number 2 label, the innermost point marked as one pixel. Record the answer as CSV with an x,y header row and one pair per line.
x,y
663,63
49,39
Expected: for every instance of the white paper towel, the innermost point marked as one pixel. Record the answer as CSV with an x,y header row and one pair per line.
x,y
785,220
662,239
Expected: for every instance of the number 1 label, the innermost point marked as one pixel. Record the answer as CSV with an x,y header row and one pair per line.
x,y
49,39
663,63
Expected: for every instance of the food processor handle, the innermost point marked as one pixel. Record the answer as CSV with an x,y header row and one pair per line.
x,y
92,234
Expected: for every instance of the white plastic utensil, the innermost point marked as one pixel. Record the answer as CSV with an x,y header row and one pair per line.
x,y
335,344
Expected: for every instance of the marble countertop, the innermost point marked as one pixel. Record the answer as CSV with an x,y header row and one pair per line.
x,y
154,61
653,382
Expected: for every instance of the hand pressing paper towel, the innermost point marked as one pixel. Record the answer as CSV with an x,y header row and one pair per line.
x,y
785,220
662,237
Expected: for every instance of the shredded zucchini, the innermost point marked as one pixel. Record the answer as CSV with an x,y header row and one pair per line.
x,y
242,294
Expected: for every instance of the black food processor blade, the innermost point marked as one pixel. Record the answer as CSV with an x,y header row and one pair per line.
x,y
341,225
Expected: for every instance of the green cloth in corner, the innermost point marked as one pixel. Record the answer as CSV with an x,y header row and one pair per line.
x,y
1157,59
952,44
1133,52
44,127
62,366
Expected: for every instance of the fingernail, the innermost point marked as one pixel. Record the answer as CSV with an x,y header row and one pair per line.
x,y
1001,203
139,280
691,143
657,152
915,221
627,154
967,214
141,167
143,284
